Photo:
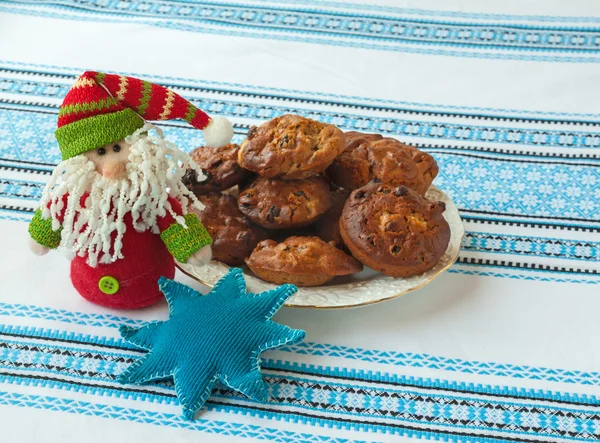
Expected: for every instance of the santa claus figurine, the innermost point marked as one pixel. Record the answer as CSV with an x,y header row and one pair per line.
x,y
116,202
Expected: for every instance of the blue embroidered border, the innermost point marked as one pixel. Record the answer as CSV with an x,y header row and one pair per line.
x,y
320,349
335,24
159,418
100,363
49,71
445,411
365,402
407,125
313,38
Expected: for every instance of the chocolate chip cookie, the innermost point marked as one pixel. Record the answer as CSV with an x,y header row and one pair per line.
x,y
302,261
220,168
234,236
394,230
285,204
290,147
328,228
369,156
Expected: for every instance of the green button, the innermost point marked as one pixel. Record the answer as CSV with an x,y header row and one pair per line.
x,y
109,285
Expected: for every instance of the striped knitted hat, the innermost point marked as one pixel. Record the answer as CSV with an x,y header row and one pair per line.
x,y
104,108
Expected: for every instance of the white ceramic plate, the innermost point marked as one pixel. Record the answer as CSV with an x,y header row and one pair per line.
x,y
360,289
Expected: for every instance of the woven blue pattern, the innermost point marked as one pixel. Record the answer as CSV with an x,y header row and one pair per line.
x,y
55,355
538,246
397,359
163,419
348,120
341,28
358,26
217,337
333,391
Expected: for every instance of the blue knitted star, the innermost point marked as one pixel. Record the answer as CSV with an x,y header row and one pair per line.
x,y
210,338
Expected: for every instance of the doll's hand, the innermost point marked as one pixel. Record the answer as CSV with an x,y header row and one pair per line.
x,y
38,249
201,257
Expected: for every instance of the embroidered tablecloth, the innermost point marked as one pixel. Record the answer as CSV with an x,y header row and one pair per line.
x,y
504,346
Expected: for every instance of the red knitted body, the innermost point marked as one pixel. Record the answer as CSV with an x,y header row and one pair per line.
x,y
146,259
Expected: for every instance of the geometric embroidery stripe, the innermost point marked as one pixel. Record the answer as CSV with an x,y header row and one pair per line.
x,y
66,337
70,74
353,376
454,39
321,420
328,350
409,359
111,346
529,266
12,218
62,315
533,420
530,276
497,219
399,127
310,418
46,88
239,430
367,25
76,362
533,246
59,362
390,125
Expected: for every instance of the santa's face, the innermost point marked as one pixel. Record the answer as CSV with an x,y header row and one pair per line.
x,y
111,159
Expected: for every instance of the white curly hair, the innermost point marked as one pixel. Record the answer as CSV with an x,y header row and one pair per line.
x,y
155,170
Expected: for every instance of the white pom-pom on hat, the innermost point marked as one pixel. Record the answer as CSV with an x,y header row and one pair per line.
x,y
218,132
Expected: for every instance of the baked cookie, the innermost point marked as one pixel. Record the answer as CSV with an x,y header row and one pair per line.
x,y
234,236
302,261
328,228
394,230
220,167
290,147
369,156
285,204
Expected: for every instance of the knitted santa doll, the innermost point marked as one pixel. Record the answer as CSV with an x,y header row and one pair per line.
x,y
116,202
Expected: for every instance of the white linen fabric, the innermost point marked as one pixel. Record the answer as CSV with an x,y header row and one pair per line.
x,y
505,95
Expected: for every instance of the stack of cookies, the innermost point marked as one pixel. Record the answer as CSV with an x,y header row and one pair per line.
x,y
314,203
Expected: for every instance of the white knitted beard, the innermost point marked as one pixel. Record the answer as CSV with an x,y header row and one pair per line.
x,y
154,173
